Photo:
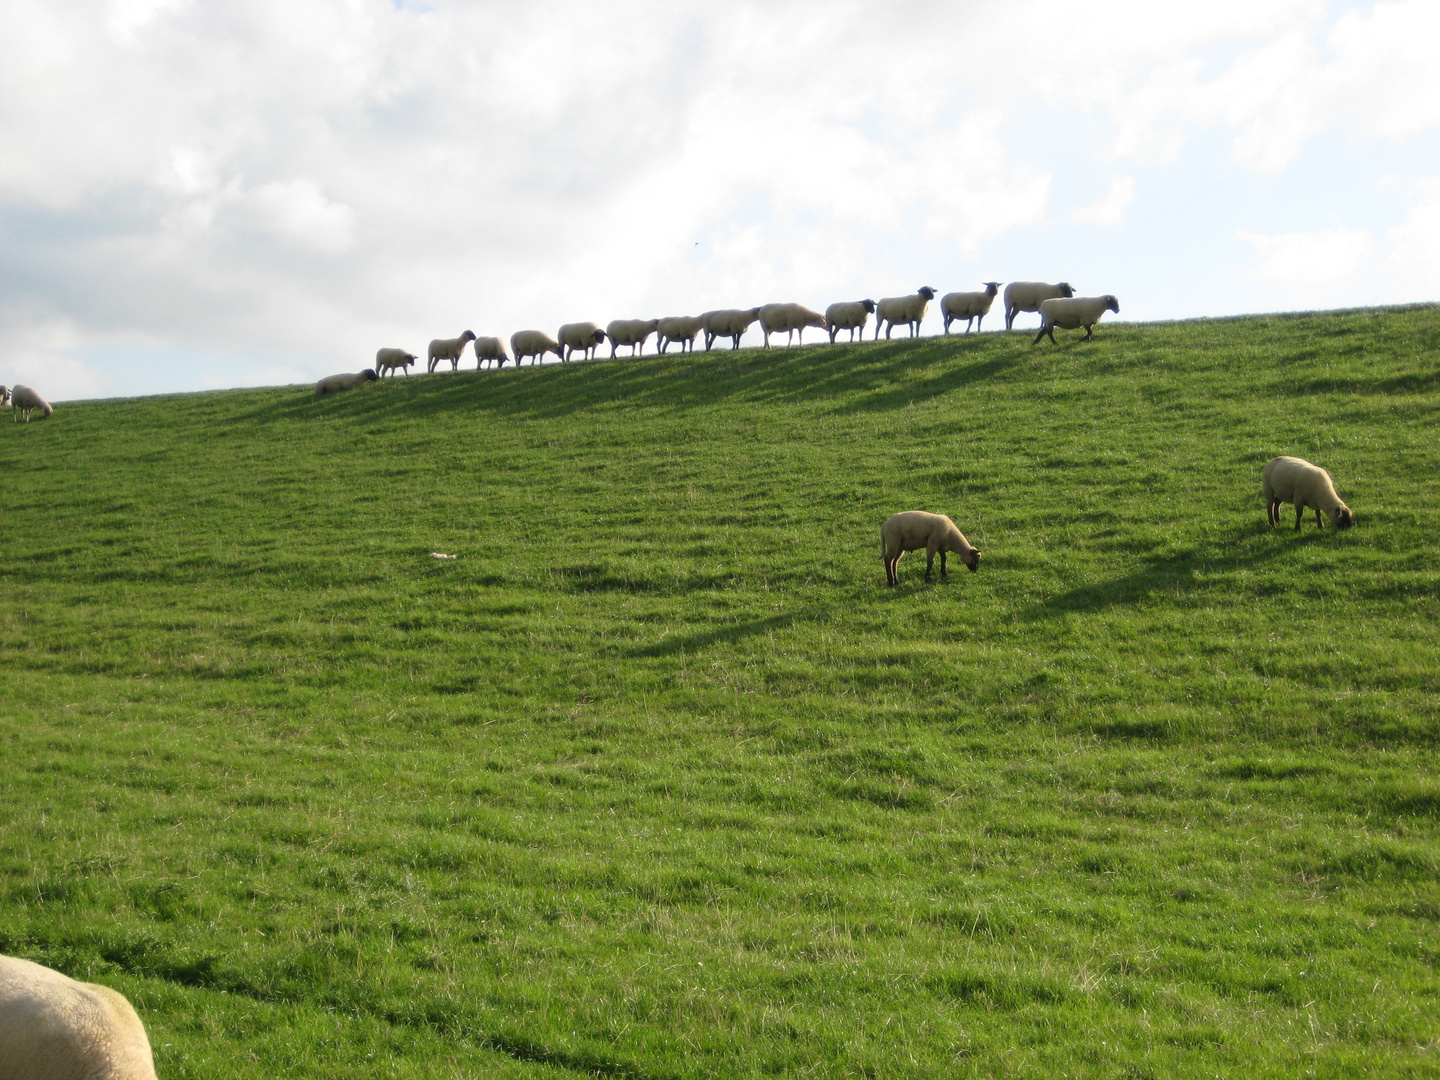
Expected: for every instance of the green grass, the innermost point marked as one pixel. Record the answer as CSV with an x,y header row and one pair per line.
x,y
658,780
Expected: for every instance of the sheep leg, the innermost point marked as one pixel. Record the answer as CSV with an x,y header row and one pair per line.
x,y
1272,512
929,563
1299,514
1089,332
1319,521
943,572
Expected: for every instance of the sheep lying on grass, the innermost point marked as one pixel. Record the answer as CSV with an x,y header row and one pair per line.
x,y
1295,480
449,349
54,1028
390,359
492,349
903,309
1029,295
681,328
789,318
24,400
533,343
582,336
1073,313
849,315
632,332
970,306
333,383
915,529
728,322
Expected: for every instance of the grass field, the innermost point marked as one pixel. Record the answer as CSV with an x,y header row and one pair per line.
x,y
658,780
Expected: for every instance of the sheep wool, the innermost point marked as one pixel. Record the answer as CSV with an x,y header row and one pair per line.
x,y
449,349
334,383
903,309
580,336
1029,295
533,343
1297,481
970,306
849,315
681,328
1071,313
492,349
911,530
789,318
54,1028
632,332
727,322
390,359
26,399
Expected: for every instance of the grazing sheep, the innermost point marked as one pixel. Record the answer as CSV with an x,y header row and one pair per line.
x,y
728,322
533,343
333,383
970,306
492,349
449,349
54,1028
25,399
849,315
1295,480
632,332
790,318
681,328
1071,313
915,529
1029,295
583,336
903,309
390,359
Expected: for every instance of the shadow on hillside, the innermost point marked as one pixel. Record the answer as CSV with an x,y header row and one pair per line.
x,y
730,634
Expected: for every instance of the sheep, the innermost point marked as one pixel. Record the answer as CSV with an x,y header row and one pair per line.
x,y
970,306
915,529
1071,313
390,359
54,1028
492,349
1294,480
583,336
25,399
681,328
534,344
727,322
333,383
790,318
4,395
632,332
449,349
903,309
1029,295
849,315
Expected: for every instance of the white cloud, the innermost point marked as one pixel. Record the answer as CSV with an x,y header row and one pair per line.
x,y
1414,257
1110,210
1306,260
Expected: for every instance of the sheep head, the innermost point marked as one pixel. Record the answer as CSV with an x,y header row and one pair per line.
x,y
1112,304
990,287
1344,518
972,559
926,291
868,305
369,375
468,335
1065,289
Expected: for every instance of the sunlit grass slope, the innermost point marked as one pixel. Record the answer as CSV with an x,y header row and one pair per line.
x,y
658,780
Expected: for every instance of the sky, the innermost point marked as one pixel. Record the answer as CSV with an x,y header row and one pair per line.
x,y
197,195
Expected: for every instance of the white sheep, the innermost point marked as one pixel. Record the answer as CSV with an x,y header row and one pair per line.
x,y
390,359
632,332
449,349
681,328
54,1028
1071,313
915,529
789,318
492,349
849,315
1295,480
333,383
903,309
970,306
25,399
533,343
727,322
1029,295
583,336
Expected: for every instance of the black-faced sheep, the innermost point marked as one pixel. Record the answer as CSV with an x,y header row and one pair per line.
x,y
632,332
390,359
334,383
1072,313
727,322
533,343
681,328
789,318
1029,295
492,349
849,315
581,336
970,306
915,529
1295,480
910,310
449,349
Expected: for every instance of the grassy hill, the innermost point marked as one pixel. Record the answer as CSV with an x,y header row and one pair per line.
x,y
658,780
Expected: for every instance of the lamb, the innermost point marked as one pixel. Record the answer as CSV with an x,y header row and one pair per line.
x,y
727,322
849,315
970,306
24,400
333,383
533,343
681,328
1294,480
632,332
903,309
492,349
915,529
54,1028
1029,295
790,318
390,359
1071,313
583,336
449,349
